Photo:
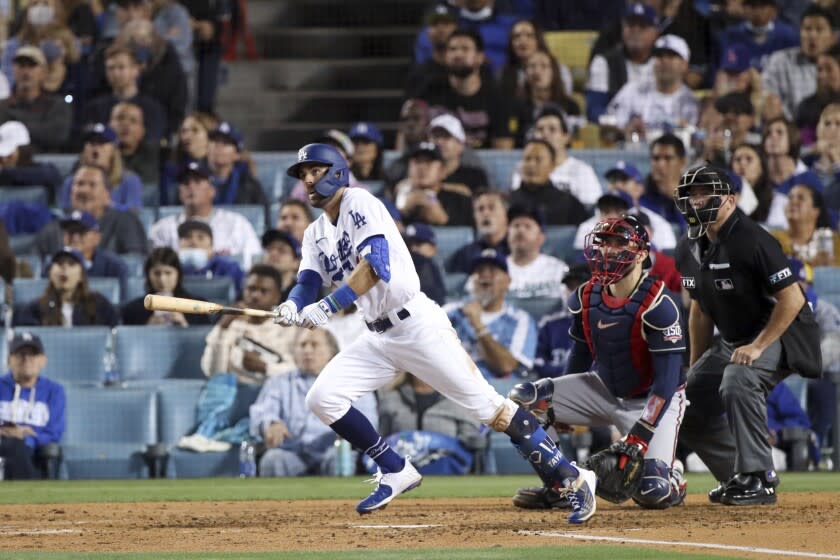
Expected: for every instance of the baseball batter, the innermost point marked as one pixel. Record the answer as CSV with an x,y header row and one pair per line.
x,y
356,246
628,324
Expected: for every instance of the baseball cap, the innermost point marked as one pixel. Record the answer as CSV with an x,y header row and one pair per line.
x,y
427,149
189,226
193,169
489,256
736,58
626,169
272,235
335,137
13,135
451,124
640,12
86,220
612,201
419,232
226,132
366,131
520,211
32,53
69,252
672,44
26,339
99,132
441,13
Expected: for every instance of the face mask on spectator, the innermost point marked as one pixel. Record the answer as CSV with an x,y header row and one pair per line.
x,y
40,14
193,257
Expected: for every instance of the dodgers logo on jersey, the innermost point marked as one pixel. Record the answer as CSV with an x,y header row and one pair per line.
x,y
358,219
341,262
672,334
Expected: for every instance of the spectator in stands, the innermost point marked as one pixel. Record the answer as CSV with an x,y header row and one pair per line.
x,y
293,217
827,92
826,162
543,88
533,274
448,135
664,102
781,144
663,266
784,411
368,147
47,116
44,27
424,197
192,144
32,408
121,231
282,251
761,32
233,235
207,20
735,75
297,442
442,433
172,22
500,338
67,300
629,61
748,164
100,149
441,22
422,245
122,70
235,182
537,190
790,75
413,129
490,217
667,159
734,126
525,39
138,155
252,348
17,167
163,277
195,250
471,97
569,173
809,229
81,232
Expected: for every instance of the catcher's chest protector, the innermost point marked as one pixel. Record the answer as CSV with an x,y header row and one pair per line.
x,y
616,340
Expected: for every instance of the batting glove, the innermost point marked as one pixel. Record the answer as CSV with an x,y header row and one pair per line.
x,y
315,314
287,314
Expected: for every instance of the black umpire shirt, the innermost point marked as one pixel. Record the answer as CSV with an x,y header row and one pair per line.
x,y
733,278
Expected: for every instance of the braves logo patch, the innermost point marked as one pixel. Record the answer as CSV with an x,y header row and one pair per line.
x,y
672,334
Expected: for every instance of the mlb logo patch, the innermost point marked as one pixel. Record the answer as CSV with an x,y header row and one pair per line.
x,y
724,284
672,334
688,282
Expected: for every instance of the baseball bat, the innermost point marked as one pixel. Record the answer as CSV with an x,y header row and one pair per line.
x,y
197,307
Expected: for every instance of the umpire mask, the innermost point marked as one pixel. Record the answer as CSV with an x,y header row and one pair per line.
x,y
699,197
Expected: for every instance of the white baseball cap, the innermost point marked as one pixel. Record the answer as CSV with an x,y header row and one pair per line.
x,y
674,44
450,124
13,135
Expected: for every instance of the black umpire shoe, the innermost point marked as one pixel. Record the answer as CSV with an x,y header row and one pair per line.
x,y
716,493
751,489
541,498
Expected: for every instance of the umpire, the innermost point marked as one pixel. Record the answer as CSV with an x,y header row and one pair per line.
x,y
740,282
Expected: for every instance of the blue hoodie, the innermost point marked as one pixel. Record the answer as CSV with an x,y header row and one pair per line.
x,y
46,415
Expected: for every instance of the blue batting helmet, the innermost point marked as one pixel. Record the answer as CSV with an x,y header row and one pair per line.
x,y
336,177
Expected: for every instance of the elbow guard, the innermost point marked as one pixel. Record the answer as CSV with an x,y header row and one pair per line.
x,y
375,251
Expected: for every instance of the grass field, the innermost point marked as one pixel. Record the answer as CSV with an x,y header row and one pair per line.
x,y
204,491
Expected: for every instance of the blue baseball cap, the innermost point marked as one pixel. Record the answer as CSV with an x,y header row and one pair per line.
x,y
273,235
366,131
99,132
26,339
69,252
641,12
227,133
736,58
419,232
524,211
81,218
489,256
627,169
195,168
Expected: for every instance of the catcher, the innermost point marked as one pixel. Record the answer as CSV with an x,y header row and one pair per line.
x,y
625,369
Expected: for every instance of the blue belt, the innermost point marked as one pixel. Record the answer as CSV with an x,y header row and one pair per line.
x,y
383,324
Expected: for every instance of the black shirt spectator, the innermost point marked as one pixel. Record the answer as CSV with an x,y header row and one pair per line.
x,y
138,155
208,18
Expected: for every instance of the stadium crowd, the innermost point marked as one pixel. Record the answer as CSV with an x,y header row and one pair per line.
x,y
165,198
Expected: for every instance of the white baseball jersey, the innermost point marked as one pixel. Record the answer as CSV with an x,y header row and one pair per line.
x,y
332,250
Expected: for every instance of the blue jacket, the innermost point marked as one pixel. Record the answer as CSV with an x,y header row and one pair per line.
x,y
494,31
218,266
784,410
782,36
46,415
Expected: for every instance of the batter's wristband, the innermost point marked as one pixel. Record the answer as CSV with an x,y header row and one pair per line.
x,y
642,432
343,297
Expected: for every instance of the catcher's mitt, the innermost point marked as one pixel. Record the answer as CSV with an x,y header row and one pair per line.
x,y
617,484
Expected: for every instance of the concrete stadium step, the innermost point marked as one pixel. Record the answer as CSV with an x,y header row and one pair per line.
x,y
317,74
314,106
291,136
314,13
335,42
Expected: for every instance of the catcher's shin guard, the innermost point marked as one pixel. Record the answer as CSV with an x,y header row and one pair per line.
x,y
535,445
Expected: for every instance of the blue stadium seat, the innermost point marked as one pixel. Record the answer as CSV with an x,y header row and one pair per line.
x,y
74,355
827,280
34,261
134,262
22,244
537,307
153,353
135,286
184,463
148,216
831,297
219,290
177,400
107,432
559,241
455,284
499,165
32,195
108,287
166,211
271,168
450,239
64,162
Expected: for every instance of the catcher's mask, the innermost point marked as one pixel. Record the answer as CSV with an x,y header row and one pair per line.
x,y
612,246
699,197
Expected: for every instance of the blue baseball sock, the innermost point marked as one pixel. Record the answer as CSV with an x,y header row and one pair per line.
x,y
361,434
534,444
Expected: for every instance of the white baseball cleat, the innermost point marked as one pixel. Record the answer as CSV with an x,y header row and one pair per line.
x,y
389,486
581,495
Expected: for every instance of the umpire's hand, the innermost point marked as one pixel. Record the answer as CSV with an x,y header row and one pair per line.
x,y
746,355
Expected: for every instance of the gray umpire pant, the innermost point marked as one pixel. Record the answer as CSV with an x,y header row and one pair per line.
x,y
726,420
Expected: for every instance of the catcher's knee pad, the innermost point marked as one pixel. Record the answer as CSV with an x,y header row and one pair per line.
x,y
655,489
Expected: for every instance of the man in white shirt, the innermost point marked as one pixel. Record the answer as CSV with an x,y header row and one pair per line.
x,y
569,174
233,234
662,103
532,273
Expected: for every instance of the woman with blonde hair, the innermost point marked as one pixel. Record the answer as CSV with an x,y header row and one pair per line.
x,y
826,157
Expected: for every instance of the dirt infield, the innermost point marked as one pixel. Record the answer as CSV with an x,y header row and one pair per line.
x,y
803,522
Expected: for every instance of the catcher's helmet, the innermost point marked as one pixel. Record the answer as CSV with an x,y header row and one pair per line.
x,y
338,174
612,246
708,185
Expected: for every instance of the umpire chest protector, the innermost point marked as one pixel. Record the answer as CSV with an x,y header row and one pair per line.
x,y
615,337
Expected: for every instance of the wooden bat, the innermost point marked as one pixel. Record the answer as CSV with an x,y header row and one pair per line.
x,y
198,307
